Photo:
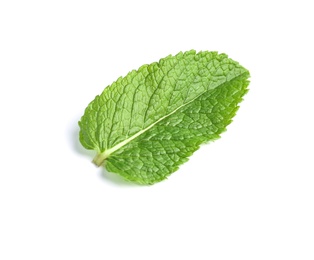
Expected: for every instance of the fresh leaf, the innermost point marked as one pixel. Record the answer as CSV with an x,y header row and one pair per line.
x,y
146,124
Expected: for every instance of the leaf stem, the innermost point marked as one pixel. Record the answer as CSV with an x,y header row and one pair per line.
x,y
99,159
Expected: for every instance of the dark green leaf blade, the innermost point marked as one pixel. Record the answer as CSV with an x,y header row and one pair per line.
x,y
148,123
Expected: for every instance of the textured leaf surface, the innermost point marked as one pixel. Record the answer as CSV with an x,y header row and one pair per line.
x,y
146,124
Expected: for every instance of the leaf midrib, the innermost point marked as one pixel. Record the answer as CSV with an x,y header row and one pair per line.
x,y
101,157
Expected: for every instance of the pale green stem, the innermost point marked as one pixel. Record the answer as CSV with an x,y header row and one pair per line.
x,y
99,159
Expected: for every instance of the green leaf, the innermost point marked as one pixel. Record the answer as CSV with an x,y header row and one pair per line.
x,y
146,124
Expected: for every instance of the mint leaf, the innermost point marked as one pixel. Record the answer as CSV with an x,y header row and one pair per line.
x,y
146,124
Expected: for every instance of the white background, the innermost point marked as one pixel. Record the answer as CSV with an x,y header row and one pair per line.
x,y
248,195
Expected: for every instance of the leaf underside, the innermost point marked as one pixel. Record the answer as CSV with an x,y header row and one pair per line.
x,y
146,124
